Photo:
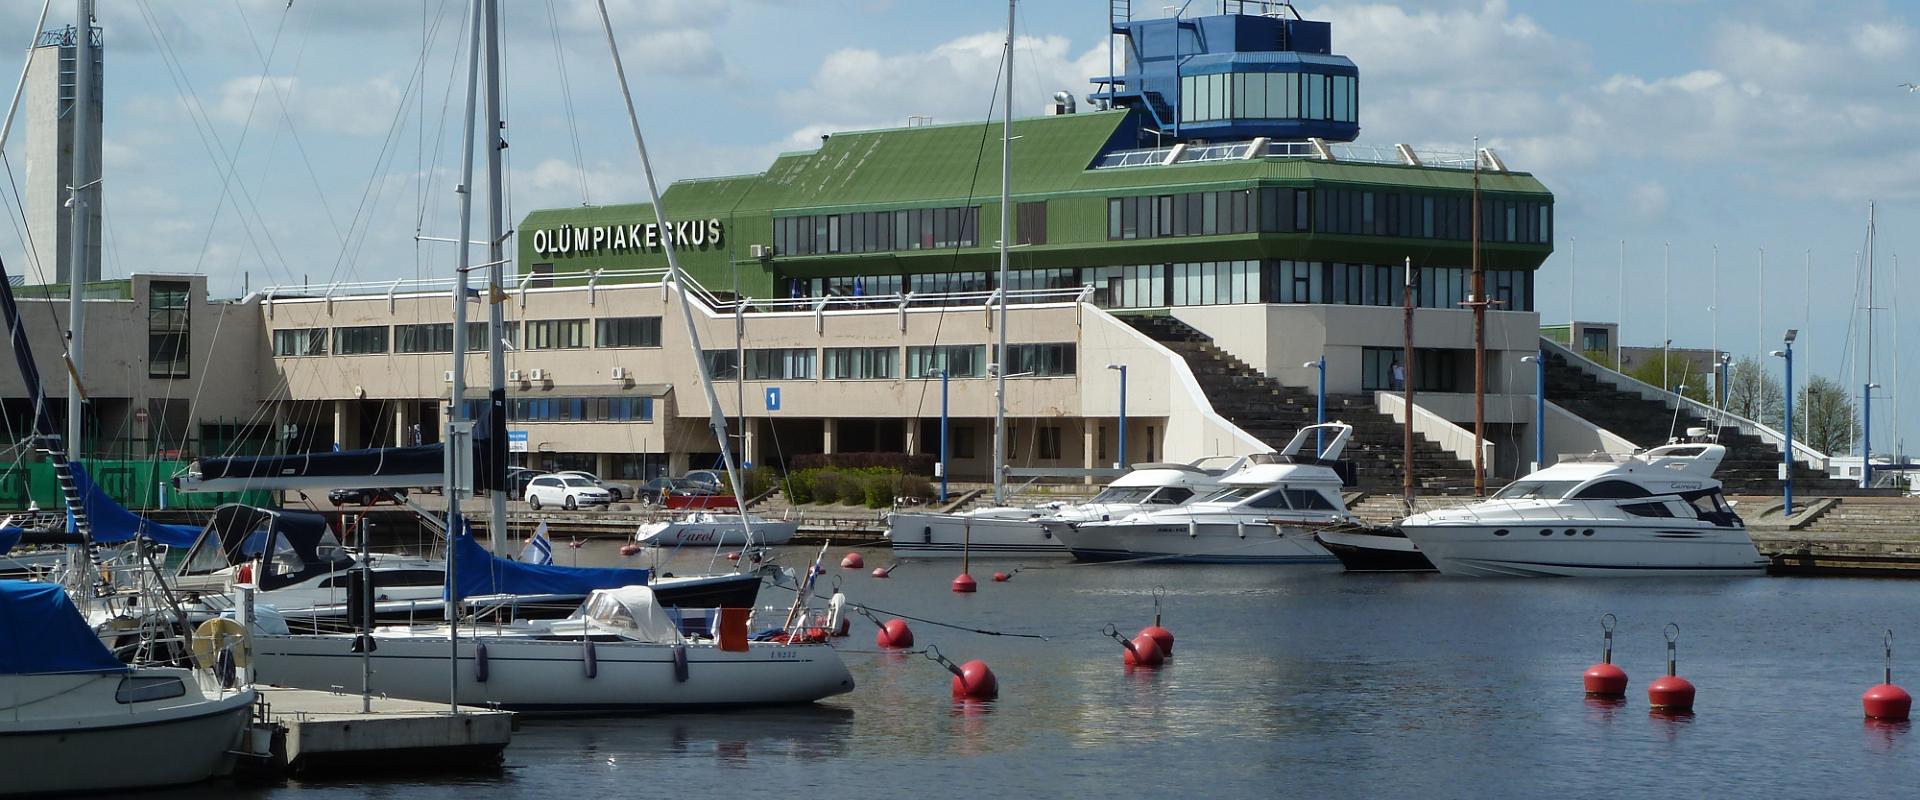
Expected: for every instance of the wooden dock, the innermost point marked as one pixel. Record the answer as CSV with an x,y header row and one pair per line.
x,y
318,732
1855,553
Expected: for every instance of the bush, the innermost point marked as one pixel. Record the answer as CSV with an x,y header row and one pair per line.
x,y
914,486
875,463
834,486
758,481
878,490
799,486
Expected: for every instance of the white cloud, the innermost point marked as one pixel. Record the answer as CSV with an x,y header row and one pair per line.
x,y
362,108
1649,200
950,82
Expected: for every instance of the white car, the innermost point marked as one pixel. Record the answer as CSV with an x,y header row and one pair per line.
x,y
619,492
565,491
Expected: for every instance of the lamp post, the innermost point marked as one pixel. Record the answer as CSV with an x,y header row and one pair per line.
x,y
1539,362
1866,435
944,469
1666,379
1123,412
1786,453
1723,372
1320,404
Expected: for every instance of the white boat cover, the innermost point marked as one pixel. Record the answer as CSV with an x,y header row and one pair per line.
x,y
633,613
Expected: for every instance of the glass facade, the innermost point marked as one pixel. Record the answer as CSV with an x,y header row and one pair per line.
x,y
860,363
627,332
1269,95
957,360
300,342
169,329
558,334
360,340
877,231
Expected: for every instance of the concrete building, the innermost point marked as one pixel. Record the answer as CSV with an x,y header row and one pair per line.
x,y
49,141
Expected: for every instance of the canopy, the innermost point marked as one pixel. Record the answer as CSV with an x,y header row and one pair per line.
x,y
295,545
478,572
9,536
373,468
42,633
634,612
112,523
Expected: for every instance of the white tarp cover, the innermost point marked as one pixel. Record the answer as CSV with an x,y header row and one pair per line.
x,y
633,612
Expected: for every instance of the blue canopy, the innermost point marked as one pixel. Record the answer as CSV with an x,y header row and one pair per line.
x,y
42,633
113,523
478,572
9,536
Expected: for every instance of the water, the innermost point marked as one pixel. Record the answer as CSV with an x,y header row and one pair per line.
x,y
1289,681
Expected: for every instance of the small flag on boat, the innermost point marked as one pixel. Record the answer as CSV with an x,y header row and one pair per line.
x,y
498,295
539,549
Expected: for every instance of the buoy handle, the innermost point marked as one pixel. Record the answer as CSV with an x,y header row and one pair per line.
x,y
1673,658
862,611
1158,593
1607,622
1888,641
933,655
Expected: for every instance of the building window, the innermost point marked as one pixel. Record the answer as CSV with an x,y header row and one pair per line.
x,y
780,363
860,363
960,438
957,360
477,336
1052,360
300,342
722,364
363,340
1595,340
169,333
1031,223
1047,443
627,332
877,231
580,409
556,334
428,338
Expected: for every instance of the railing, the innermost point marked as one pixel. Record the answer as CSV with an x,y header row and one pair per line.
x,y
1316,150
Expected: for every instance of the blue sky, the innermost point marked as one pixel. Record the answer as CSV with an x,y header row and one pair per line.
x,y
1753,125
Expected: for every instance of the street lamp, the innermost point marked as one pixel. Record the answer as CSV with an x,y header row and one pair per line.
x,y
1666,381
1539,362
1123,412
1786,453
1320,404
1722,374
1866,435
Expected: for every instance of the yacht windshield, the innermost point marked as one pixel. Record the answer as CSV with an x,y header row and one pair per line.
x,y
1234,494
1536,490
1124,494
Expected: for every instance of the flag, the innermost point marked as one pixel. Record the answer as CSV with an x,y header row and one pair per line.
x,y
539,549
498,296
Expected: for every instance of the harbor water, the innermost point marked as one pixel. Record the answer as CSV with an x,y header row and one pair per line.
x,y
1287,681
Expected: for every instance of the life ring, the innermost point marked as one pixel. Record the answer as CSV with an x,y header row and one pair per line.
x,y
220,635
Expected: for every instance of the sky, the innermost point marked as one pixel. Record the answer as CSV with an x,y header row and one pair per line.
x,y
265,142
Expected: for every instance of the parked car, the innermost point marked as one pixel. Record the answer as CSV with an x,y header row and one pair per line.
x,y
565,491
517,479
708,477
619,491
658,489
366,497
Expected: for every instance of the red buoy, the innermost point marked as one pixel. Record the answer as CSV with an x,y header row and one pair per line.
x,y
1160,636
1885,701
894,634
1670,692
629,549
1143,651
1605,679
881,572
853,561
975,681
734,556
964,584
1000,577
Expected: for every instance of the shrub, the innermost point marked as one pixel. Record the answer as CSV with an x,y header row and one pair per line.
x,y
921,464
914,486
878,490
799,486
758,481
833,486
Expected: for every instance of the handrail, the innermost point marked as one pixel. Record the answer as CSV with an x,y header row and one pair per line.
x,y
1802,452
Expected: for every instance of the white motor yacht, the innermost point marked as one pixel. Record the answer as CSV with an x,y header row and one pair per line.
x,y
1606,515
1264,513
619,652
74,719
1003,531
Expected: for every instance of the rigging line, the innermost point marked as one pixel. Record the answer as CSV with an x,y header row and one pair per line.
x,y
566,96
20,209
293,132
203,126
439,139
815,594
240,145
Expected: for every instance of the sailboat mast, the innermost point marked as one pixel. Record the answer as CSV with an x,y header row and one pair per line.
x,y
1479,304
82,185
1006,239
457,396
1866,388
496,265
1406,385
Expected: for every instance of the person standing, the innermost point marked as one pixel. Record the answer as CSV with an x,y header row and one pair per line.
x,y
1399,376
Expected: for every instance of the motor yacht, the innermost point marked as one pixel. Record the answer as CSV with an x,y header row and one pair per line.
x,y
1264,513
1605,515
1374,548
1005,531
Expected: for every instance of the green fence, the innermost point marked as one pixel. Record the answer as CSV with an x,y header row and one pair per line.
x,y
136,484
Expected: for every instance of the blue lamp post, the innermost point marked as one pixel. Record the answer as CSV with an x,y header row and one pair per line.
x,y
1123,412
1539,362
1866,435
944,469
1319,405
1786,453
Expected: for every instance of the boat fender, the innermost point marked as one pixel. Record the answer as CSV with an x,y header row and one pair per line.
x,y
1241,529
479,662
1193,529
680,663
589,659
926,535
836,614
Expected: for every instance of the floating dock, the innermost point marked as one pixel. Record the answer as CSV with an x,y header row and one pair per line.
x,y
320,731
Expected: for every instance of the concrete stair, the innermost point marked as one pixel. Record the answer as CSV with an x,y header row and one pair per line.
x,y
1751,467
1877,515
1273,412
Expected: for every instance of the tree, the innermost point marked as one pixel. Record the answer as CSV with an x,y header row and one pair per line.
x,y
1824,416
1754,393
1687,382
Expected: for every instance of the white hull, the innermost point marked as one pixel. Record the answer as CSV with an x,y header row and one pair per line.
x,y
131,749
982,535
1195,543
550,676
724,531
1613,550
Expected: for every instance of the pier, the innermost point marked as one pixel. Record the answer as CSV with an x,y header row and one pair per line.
x,y
317,732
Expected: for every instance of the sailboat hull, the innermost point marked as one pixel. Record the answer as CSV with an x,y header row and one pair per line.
x,y
185,744
981,534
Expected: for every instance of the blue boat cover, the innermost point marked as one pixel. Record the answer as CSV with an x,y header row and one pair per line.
x,y
477,572
42,633
113,523
9,536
